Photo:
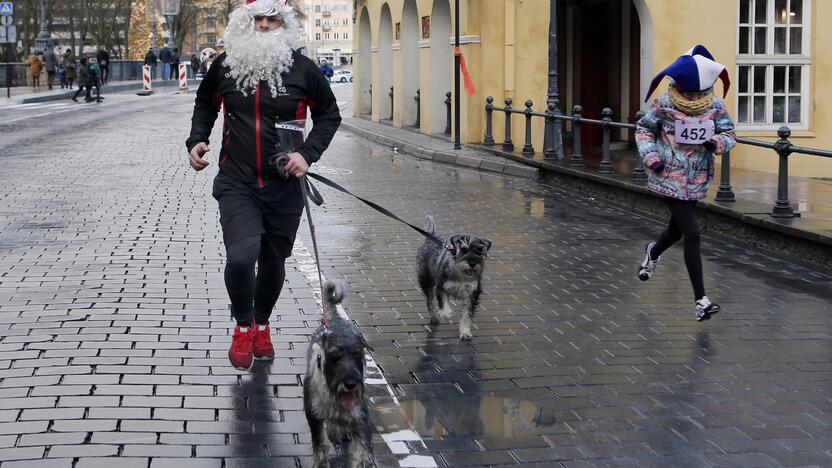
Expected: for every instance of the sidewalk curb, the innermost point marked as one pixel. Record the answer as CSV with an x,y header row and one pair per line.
x,y
105,90
445,157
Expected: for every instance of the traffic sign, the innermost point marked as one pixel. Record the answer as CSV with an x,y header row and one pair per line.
x,y
8,34
6,8
6,20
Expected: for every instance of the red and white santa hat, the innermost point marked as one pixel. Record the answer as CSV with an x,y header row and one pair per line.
x,y
695,70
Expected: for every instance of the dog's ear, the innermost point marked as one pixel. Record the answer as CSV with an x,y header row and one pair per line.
x,y
320,338
455,241
487,244
365,344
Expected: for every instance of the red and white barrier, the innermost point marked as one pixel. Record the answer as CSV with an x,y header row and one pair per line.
x,y
183,76
146,79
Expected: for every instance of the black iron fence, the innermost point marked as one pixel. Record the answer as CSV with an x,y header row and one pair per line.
x,y
783,147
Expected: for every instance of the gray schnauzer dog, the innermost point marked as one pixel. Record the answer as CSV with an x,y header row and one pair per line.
x,y
333,391
452,269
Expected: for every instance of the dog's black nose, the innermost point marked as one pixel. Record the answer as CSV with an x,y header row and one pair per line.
x,y
350,384
472,264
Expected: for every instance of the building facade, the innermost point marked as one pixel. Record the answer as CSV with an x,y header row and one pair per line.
x,y
608,51
328,25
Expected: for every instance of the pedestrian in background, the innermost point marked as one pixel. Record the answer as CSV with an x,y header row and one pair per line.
x,y
94,78
150,59
62,76
677,140
104,63
83,82
174,65
195,65
326,69
166,57
35,65
70,65
51,63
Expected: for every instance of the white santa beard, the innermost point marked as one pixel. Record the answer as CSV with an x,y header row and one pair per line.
x,y
254,56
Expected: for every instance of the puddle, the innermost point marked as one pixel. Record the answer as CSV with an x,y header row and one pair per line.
x,y
486,416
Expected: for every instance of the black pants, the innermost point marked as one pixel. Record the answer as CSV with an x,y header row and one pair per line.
x,y
683,224
105,73
81,88
50,76
253,296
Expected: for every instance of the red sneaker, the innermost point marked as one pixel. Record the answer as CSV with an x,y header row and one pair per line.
x,y
263,349
240,353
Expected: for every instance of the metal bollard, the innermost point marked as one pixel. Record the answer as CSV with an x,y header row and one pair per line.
x,y
448,112
725,192
528,149
489,119
577,159
418,108
639,175
606,165
549,150
507,144
782,207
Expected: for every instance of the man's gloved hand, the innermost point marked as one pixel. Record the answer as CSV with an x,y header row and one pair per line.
x,y
710,145
657,167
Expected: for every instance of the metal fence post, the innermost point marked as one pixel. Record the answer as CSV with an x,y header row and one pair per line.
x,y
528,149
725,193
507,144
782,207
577,159
606,165
639,175
391,103
549,150
448,113
418,99
489,119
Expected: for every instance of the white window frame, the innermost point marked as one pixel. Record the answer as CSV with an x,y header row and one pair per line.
x,y
770,60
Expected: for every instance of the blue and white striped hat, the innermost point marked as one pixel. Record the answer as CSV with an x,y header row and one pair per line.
x,y
695,70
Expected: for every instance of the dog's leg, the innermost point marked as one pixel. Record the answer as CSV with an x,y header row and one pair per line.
x,y
468,310
445,311
320,449
361,449
429,289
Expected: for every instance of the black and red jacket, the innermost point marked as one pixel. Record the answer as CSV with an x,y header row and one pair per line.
x,y
250,136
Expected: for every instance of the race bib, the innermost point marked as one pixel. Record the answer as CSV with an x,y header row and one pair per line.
x,y
693,131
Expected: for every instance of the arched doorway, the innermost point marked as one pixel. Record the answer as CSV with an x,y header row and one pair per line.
x,y
608,60
441,63
410,61
385,64
365,64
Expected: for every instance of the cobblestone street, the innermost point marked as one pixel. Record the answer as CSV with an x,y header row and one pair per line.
x,y
115,324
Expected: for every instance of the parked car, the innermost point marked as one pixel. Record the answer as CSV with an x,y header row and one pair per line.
x,y
342,76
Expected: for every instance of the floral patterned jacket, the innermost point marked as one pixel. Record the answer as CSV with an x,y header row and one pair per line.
x,y
688,169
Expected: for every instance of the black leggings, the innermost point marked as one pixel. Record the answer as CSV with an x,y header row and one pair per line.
x,y
252,296
683,224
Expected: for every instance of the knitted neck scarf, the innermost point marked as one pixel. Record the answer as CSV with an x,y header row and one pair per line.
x,y
696,106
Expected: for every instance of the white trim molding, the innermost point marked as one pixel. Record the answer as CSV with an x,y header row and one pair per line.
x,y
465,40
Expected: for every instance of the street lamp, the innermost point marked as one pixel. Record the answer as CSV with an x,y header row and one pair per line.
x,y
170,9
42,41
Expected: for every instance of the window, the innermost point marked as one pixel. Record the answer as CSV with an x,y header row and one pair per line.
x,y
210,23
773,64
210,38
317,36
346,35
326,36
317,21
335,36
317,8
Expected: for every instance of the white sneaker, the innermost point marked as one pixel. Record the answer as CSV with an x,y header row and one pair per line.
x,y
705,308
648,265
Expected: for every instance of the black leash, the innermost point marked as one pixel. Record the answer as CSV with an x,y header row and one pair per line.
x,y
369,203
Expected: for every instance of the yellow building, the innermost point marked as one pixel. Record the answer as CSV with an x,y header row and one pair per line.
x,y
608,51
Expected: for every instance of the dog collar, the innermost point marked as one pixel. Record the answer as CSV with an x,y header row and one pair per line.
x,y
449,247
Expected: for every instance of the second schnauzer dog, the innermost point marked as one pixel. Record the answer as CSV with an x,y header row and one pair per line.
x,y
333,391
452,269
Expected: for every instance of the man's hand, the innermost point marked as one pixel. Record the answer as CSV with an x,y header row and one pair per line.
x,y
296,166
195,156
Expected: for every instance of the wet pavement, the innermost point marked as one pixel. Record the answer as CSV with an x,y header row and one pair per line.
x,y
114,325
